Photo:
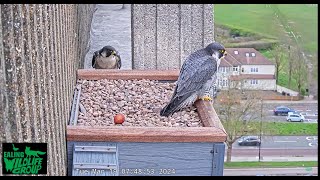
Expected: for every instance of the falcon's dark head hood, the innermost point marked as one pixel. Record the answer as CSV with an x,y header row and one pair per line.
x,y
107,51
216,48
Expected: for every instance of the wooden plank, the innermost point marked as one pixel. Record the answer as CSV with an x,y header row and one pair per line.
x,y
94,166
145,134
70,157
161,159
96,74
72,144
218,159
208,115
94,163
106,149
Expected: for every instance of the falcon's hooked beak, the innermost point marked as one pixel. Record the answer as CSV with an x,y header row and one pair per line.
x,y
225,53
113,53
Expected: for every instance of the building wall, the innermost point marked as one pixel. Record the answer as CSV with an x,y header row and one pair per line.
x,y
223,75
41,48
263,84
262,69
165,34
111,25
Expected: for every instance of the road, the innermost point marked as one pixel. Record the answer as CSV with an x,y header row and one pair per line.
x,y
309,110
279,146
254,152
285,142
296,171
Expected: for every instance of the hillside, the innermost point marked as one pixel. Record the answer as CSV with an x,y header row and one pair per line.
x,y
261,25
260,19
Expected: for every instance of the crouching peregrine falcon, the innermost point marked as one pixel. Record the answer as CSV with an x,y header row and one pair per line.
x,y
106,58
196,79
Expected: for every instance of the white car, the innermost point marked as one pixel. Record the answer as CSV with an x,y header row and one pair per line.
x,y
294,117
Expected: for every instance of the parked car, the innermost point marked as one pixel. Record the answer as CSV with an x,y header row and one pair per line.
x,y
282,110
295,117
249,141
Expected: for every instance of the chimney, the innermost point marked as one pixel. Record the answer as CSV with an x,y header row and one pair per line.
x,y
247,57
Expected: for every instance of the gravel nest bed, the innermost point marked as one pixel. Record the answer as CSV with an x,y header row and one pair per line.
x,y
140,101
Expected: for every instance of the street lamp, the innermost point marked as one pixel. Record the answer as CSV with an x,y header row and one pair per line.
x,y
260,129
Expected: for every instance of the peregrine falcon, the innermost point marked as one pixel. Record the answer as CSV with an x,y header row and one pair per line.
x,y
196,79
106,58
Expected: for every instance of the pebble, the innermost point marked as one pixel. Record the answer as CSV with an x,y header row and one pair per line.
x,y
139,100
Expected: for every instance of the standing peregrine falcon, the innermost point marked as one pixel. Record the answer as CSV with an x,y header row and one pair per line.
x,y
196,78
106,58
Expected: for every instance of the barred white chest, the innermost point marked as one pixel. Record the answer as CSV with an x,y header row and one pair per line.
x,y
106,62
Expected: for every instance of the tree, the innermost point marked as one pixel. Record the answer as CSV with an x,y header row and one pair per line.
x,y
313,77
236,116
290,67
299,70
279,58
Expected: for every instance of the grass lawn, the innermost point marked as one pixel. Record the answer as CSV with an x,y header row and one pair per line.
x,y
287,128
271,164
260,19
247,17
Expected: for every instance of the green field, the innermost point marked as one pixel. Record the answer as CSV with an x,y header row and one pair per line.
x,y
271,164
260,19
269,128
285,128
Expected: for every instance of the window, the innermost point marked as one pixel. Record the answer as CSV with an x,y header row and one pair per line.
x,y
236,52
247,54
235,68
254,81
224,83
242,70
253,54
254,69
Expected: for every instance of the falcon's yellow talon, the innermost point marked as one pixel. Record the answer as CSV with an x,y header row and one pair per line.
x,y
206,98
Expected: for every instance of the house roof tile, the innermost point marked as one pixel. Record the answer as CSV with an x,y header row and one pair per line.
x,y
233,59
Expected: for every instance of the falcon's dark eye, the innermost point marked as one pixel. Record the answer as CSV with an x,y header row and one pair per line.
x,y
222,51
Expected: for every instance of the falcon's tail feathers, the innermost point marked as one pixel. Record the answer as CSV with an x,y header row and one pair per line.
x,y
174,105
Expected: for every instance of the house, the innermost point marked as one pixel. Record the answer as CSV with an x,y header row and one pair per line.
x,y
247,69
